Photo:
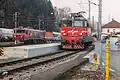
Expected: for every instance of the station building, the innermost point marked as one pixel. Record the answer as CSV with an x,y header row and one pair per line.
x,y
111,27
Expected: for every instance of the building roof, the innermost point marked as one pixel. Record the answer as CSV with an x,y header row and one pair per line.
x,y
112,24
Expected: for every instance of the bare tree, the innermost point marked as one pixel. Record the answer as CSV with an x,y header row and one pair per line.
x,y
62,13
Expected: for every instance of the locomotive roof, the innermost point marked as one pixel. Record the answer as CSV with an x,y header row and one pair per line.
x,y
5,30
77,18
29,29
80,17
76,15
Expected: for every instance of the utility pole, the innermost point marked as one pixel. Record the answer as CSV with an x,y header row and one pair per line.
x,y
89,11
100,18
15,26
93,23
39,24
100,28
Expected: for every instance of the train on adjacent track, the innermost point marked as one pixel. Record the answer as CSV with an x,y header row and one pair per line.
x,y
75,32
28,35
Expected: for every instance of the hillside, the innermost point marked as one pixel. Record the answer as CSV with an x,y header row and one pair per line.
x,y
29,13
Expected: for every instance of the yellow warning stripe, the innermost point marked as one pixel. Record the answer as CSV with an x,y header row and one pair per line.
x,y
1,51
1,48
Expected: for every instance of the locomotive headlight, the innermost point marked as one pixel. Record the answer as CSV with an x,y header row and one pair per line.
x,y
62,31
80,34
14,36
65,34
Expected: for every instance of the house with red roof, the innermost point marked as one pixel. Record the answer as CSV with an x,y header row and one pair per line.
x,y
111,27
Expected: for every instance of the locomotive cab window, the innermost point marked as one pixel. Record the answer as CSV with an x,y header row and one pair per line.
x,y
80,23
66,23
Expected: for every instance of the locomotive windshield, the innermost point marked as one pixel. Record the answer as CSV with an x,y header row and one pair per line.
x,y
76,23
20,31
80,23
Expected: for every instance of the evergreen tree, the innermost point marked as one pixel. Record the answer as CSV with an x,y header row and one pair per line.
x,y
30,12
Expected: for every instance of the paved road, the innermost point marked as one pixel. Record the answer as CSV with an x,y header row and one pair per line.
x,y
114,55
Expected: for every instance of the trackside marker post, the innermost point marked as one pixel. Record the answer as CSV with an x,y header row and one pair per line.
x,y
107,59
95,61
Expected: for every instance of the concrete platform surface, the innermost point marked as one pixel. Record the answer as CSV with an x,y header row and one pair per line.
x,y
35,46
30,50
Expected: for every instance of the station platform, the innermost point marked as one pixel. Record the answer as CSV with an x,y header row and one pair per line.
x,y
30,50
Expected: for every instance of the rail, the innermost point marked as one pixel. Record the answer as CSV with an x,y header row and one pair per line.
x,y
18,65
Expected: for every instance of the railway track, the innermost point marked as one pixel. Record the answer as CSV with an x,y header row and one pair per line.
x,y
41,57
15,60
25,64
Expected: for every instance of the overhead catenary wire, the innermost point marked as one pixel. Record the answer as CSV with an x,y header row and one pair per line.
x,y
82,5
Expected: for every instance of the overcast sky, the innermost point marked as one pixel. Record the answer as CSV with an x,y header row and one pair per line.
x,y
110,8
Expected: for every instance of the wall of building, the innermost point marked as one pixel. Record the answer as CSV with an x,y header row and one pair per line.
x,y
109,30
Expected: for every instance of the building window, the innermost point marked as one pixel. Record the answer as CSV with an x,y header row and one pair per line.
x,y
108,30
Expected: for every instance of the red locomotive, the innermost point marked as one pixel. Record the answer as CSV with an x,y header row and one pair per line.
x,y
75,33
33,36
27,35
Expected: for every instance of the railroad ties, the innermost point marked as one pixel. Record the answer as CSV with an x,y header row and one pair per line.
x,y
40,63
